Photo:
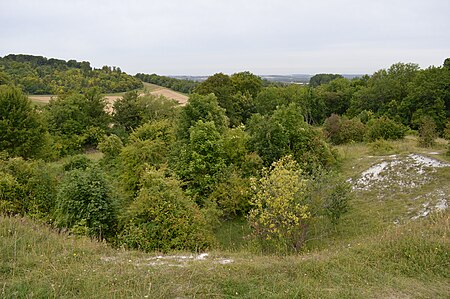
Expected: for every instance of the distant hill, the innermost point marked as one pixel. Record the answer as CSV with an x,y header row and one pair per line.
x,y
294,78
41,75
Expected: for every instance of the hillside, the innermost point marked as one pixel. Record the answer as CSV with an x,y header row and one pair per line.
x,y
390,245
40,75
111,98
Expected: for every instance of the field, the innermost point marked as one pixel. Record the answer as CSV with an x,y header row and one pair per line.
x,y
111,98
393,243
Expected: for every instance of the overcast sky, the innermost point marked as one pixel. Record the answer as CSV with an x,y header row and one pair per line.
x,y
202,37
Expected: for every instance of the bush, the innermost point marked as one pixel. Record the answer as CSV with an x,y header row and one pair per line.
x,y
340,130
328,195
384,128
381,147
162,218
77,162
287,202
35,187
85,203
11,195
427,132
110,146
232,195
280,215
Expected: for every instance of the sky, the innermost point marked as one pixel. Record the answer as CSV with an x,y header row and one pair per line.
x,y
201,37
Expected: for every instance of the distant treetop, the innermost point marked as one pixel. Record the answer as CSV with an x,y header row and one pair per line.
x,y
41,75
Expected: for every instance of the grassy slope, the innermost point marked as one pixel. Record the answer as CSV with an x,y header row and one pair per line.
x,y
367,257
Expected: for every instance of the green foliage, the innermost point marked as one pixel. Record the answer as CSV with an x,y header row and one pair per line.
x,y
284,133
39,75
133,110
384,91
320,79
287,202
204,108
159,129
85,203
381,147
110,146
232,195
29,187
427,132
235,94
77,162
162,218
22,130
429,96
340,130
181,85
201,161
11,195
328,194
134,158
246,82
77,120
280,215
334,96
384,128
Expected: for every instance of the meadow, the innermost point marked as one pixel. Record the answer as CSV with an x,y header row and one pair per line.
x,y
380,249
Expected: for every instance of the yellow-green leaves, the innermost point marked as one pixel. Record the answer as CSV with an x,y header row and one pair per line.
x,y
280,214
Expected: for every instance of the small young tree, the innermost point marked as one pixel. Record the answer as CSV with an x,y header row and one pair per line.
x,y
22,129
427,132
85,203
280,214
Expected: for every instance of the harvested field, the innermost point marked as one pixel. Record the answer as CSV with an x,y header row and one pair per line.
x,y
110,99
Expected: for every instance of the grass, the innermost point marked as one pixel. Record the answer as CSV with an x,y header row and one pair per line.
x,y
365,256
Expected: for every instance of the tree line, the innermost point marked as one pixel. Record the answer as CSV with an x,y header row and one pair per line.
x,y
39,75
184,86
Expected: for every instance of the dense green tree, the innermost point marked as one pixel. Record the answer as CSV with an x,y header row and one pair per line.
x,y
205,108
22,129
246,82
320,79
429,96
385,91
201,161
39,75
285,132
335,96
77,120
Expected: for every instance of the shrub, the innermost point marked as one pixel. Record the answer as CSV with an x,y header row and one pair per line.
x,y
77,162
110,146
85,200
280,216
232,195
287,202
340,130
427,132
328,195
36,187
163,218
11,195
92,136
384,128
381,147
